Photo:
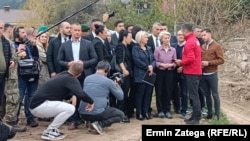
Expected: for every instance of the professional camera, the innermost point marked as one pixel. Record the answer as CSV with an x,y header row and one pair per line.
x,y
117,75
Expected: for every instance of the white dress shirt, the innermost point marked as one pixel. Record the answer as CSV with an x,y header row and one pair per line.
x,y
76,49
159,43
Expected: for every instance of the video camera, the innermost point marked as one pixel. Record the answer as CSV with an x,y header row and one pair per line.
x,y
119,75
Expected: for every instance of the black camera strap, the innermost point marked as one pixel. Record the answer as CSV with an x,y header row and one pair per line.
x,y
29,52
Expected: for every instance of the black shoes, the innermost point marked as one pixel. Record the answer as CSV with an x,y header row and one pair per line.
x,y
125,120
147,116
193,122
139,117
32,123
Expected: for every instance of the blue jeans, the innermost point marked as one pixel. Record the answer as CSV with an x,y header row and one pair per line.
x,y
26,90
209,84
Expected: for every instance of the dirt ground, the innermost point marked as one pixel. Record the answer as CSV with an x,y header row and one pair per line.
x,y
234,87
117,132
237,114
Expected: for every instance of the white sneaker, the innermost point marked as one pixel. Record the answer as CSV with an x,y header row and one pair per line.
x,y
52,134
97,127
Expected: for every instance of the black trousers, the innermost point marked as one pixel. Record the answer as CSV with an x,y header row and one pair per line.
x,y
109,116
180,98
164,89
2,86
201,97
142,98
131,98
193,82
123,104
2,96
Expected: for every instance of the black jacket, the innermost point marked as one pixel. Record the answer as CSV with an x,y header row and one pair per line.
x,y
101,50
87,55
89,37
6,53
35,55
122,50
52,53
151,43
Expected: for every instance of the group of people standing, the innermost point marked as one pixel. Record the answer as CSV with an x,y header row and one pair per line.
x,y
75,68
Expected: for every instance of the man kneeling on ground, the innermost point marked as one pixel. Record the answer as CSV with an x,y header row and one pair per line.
x,y
98,86
48,100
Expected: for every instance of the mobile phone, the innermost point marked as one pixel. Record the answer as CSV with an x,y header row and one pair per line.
x,y
112,14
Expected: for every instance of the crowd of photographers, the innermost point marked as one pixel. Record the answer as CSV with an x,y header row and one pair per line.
x,y
102,76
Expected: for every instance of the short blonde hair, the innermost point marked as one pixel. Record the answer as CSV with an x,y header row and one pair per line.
x,y
139,35
76,68
164,33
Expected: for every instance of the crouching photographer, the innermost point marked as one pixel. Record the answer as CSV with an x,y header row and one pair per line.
x,y
28,71
99,86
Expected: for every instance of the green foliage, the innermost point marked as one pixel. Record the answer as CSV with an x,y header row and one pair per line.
x,y
214,14
222,121
136,12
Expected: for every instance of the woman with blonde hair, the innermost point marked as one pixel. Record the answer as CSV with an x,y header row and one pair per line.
x,y
42,45
144,63
164,56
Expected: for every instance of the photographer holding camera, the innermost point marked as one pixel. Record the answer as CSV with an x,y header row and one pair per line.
x,y
28,71
98,87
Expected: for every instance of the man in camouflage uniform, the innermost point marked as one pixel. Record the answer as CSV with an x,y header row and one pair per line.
x,y
11,99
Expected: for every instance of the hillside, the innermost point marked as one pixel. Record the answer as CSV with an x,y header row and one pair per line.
x,y
234,79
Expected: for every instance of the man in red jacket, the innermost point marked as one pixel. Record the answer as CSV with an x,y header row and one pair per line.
x,y
192,69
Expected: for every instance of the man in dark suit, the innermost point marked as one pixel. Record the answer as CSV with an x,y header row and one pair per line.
x,y
119,25
53,49
153,40
92,34
79,50
99,43
153,43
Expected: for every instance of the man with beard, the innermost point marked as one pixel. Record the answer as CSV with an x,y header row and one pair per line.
x,y
54,46
28,81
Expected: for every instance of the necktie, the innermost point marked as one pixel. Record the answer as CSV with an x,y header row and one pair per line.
x,y
156,42
65,39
